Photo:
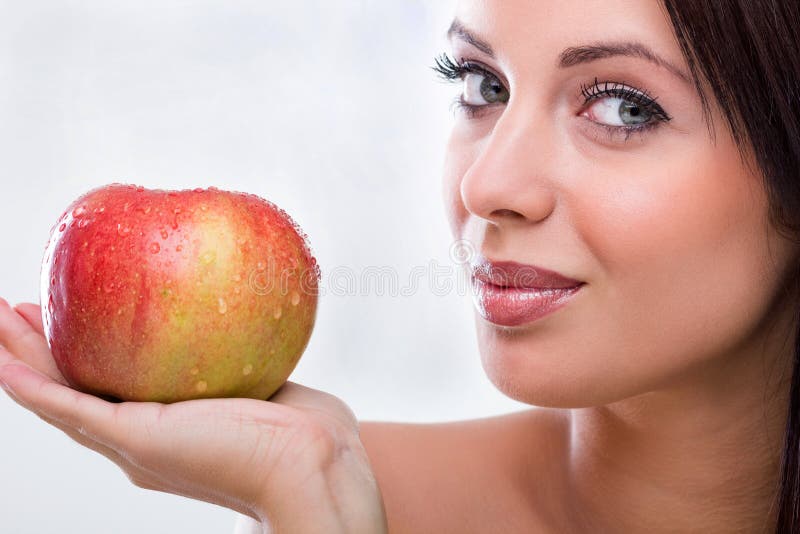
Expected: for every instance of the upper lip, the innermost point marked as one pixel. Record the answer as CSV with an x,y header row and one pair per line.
x,y
519,275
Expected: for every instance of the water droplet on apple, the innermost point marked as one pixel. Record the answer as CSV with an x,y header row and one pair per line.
x,y
108,287
53,281
236,277
203,207
247,369
101,209
193,371
223,306
260,266
83,222
62,227
164,234
208,257
278,312
139,188
237,290
126,206
119,311
77,212
123,231
201,386
154,248
295,298
178,248
50,304
199,190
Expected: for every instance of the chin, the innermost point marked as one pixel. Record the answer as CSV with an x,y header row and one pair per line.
x,y
530,366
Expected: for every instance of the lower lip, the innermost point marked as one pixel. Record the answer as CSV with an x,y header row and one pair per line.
x,y
514,306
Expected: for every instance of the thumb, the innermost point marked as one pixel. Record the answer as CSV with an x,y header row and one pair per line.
x,y
306,398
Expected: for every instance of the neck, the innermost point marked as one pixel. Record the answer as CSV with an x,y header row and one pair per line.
x,y
701,454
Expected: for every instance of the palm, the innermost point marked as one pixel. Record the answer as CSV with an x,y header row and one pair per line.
x,y
217,450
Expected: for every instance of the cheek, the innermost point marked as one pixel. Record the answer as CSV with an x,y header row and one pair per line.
x,y
683,270
678,246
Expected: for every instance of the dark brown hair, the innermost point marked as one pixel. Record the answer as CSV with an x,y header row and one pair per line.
x,y
748,54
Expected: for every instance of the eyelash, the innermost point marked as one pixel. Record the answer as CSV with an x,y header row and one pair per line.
x,y
450,71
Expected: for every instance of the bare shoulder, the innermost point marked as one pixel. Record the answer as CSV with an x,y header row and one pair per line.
x,y
479,475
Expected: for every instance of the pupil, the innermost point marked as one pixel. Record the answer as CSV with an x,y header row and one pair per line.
x,y
491,90
631,113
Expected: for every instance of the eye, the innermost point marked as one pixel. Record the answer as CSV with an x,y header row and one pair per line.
x,y
614,104
618,112
482,88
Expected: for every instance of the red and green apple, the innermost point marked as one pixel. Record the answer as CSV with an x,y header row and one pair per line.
x,y
156,295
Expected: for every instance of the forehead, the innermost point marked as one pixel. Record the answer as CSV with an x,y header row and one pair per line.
x,y
529,30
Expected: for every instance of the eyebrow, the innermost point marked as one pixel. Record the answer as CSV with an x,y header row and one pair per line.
x,y
576,55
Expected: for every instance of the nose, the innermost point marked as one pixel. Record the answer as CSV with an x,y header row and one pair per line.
x,y
510,180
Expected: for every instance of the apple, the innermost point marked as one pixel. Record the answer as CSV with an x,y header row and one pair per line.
x,y
155,295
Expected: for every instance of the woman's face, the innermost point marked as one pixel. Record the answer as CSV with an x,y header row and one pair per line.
x,y
588,154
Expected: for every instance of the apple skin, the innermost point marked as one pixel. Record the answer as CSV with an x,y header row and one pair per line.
x,y
155,295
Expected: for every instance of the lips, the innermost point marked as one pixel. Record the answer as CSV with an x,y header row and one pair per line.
x,y
520,275
512,294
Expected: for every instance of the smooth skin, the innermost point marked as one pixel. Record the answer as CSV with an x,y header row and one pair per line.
x,y
663,385
292,464
660,389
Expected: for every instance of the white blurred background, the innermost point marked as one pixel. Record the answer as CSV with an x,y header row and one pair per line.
x,y
328,108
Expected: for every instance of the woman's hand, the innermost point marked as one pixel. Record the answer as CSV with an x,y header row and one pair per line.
x,y
294,463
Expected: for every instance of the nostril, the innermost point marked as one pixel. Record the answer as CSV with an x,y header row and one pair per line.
x,y
507,214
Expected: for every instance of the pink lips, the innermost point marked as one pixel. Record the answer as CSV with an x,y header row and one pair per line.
x,y
508,293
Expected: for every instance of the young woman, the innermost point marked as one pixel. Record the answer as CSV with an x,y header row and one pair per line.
x,y
627,173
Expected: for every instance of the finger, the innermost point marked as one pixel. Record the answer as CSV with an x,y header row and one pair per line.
x,y
26,343
32,313
137,475
85,440
306,398
133,434
296,395
71,432
37,392
76,435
